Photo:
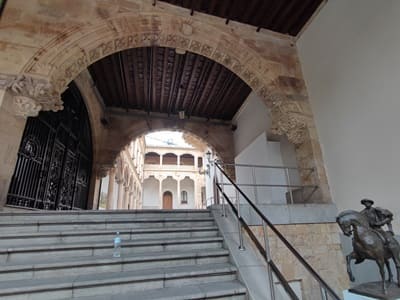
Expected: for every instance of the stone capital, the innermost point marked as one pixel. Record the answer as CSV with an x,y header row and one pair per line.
x,y
288,118
30,94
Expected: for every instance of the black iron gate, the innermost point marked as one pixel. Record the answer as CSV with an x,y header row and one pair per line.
x,y
55,158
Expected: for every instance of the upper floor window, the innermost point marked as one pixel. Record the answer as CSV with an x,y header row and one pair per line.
x,y
184,197
170,159
152,158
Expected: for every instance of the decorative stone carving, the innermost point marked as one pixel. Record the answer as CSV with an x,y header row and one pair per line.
x,y
288,119
31,94
186,28
26,107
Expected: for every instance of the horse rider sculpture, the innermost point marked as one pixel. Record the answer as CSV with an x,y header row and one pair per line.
x,y
370,241
378,217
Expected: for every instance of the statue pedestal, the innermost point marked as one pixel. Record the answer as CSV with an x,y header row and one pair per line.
x,y
373,290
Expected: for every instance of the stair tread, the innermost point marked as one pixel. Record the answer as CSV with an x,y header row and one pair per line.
x,y
32,285
104,221
104,212
186,292
105,244
18,235
100,260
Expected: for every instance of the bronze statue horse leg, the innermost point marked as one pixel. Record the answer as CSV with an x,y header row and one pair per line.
x,y
396,259
387,263
349,257
381,265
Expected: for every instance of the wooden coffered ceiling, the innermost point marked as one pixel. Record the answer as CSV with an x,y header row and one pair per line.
x,y
284,16
157,79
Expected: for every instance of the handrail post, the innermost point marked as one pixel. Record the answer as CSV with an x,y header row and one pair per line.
x,y
241,246
324,294
215,182
268,255
221,179
289,184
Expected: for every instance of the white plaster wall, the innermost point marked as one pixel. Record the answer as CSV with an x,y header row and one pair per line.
x,y
251,120
187,184
151,196
267,153
350,58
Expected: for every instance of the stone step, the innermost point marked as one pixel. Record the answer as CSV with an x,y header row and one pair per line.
x,y
70,225
101,264
65,237
57,251
113,283
232,290
101,214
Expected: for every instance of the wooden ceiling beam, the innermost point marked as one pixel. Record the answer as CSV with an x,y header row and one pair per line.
x,y
223,93
193,74
251,10
269,20
285,15
153,79
123,73
164,74
177,66
300,9
207,87
174,106
198,90
137,82
218,72
146,78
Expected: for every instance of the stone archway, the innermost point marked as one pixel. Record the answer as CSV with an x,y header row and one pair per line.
x,y
268,63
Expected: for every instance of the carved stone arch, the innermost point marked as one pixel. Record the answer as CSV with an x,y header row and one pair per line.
x,y
278,81
62,59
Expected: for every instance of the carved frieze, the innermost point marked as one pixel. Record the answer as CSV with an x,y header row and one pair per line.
x,y
289,119
31,94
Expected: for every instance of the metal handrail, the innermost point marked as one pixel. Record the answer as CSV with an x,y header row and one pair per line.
x,y
300,258
273,185
260,248
263,166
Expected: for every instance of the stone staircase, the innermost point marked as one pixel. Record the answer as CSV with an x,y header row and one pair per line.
x,y
175,254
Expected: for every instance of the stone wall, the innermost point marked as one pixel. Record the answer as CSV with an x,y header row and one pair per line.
x,y
11,129
320,245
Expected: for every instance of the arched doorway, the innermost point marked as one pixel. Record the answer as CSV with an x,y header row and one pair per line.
x,y
54,162
167,200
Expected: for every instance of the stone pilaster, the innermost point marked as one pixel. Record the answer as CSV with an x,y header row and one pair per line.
x,y
11,131
110,192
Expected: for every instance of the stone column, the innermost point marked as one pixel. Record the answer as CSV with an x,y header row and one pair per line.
x,y
126,198
178,160
161,158
120,194
195,191
110,192
131,200
178,189
160,192
96,193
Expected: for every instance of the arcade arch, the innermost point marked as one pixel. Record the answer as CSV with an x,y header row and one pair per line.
x,y
268,63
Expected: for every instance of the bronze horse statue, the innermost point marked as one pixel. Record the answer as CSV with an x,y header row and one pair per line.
x,y
369,243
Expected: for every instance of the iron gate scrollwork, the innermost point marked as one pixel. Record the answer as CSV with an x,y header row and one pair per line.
x,y
55,158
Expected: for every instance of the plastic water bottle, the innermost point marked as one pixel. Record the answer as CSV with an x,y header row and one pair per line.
x,y
117,246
